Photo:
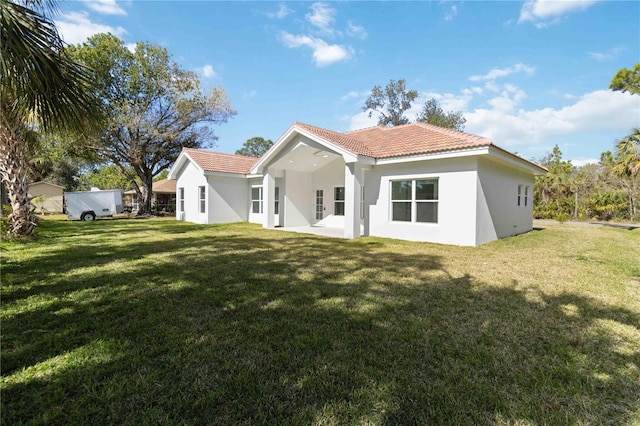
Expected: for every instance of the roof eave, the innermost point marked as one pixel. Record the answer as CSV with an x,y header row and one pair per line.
x,y
515,160
179,163
348,155
491,150
453,153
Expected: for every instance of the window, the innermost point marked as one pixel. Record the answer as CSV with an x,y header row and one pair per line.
x,y
319,204
426,200
181,198
256,199
526,195
201,198
519,194
338,201
414,200
276,205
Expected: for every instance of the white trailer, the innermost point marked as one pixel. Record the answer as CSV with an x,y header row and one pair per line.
x,y
87,205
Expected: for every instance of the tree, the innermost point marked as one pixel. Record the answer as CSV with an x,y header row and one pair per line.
x,y
627,80
390,102
255,147
55,161
432,113
107,176
41,89
552,193
628,155
627,168
155,108
162,175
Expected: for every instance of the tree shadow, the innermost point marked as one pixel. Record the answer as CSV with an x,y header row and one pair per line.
x,y
295,329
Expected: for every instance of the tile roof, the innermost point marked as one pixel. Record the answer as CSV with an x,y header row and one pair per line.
x,y
164,185
219,162
399,141
355,145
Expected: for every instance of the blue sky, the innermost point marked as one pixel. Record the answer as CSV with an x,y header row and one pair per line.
x,y
529,75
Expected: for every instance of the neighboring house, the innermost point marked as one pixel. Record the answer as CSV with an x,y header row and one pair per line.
x,y
46,197
163,197
414,182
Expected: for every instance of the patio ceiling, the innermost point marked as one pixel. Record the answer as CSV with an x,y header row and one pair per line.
x,y
304,158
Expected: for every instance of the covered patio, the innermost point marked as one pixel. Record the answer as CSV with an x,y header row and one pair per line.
x,y
320,186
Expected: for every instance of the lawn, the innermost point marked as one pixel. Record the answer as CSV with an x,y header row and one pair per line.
x,y
164,322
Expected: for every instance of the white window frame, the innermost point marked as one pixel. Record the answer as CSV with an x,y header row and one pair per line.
x,y
202,199
526,196
276,201
519,195
256,200
413,201
181,199
336,201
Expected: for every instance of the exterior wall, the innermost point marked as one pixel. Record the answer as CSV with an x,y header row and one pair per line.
x,y
48,198
456,201
298,198
190,178
327,179
259,217
227,199
499,215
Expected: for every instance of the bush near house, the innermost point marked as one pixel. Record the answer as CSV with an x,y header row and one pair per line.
x,y
165,322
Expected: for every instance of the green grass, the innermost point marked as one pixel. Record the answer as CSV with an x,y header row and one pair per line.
x,y
163,322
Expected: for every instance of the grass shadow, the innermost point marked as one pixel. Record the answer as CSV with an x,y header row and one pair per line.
x,y
205,325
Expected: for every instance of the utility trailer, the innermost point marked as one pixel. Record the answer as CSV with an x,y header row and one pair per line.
x,y
88,205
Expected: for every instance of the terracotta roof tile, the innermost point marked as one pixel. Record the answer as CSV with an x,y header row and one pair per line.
x,y
399,141
343,140
219,162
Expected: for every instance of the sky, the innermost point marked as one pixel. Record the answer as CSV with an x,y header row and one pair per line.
x,y
529,75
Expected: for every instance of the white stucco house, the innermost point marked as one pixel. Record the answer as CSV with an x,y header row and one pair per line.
x,y
414,182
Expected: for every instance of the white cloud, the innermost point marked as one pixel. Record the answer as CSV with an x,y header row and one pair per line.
x,y
582,161
508,99
362,121
605,56
543,13
76,27
448,101
518,129
282,12
323,53
503,72
106,7
602,110
322,16
249,95
356,31
350,95
453,11
208,71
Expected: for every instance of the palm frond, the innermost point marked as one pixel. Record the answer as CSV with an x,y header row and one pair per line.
x,y
39,81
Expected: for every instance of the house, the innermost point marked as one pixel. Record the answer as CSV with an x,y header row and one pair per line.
x,y
414,182
46,197
163,196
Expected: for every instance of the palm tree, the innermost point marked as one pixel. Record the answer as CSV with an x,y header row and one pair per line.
x,y
627,167
41,89
628,155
